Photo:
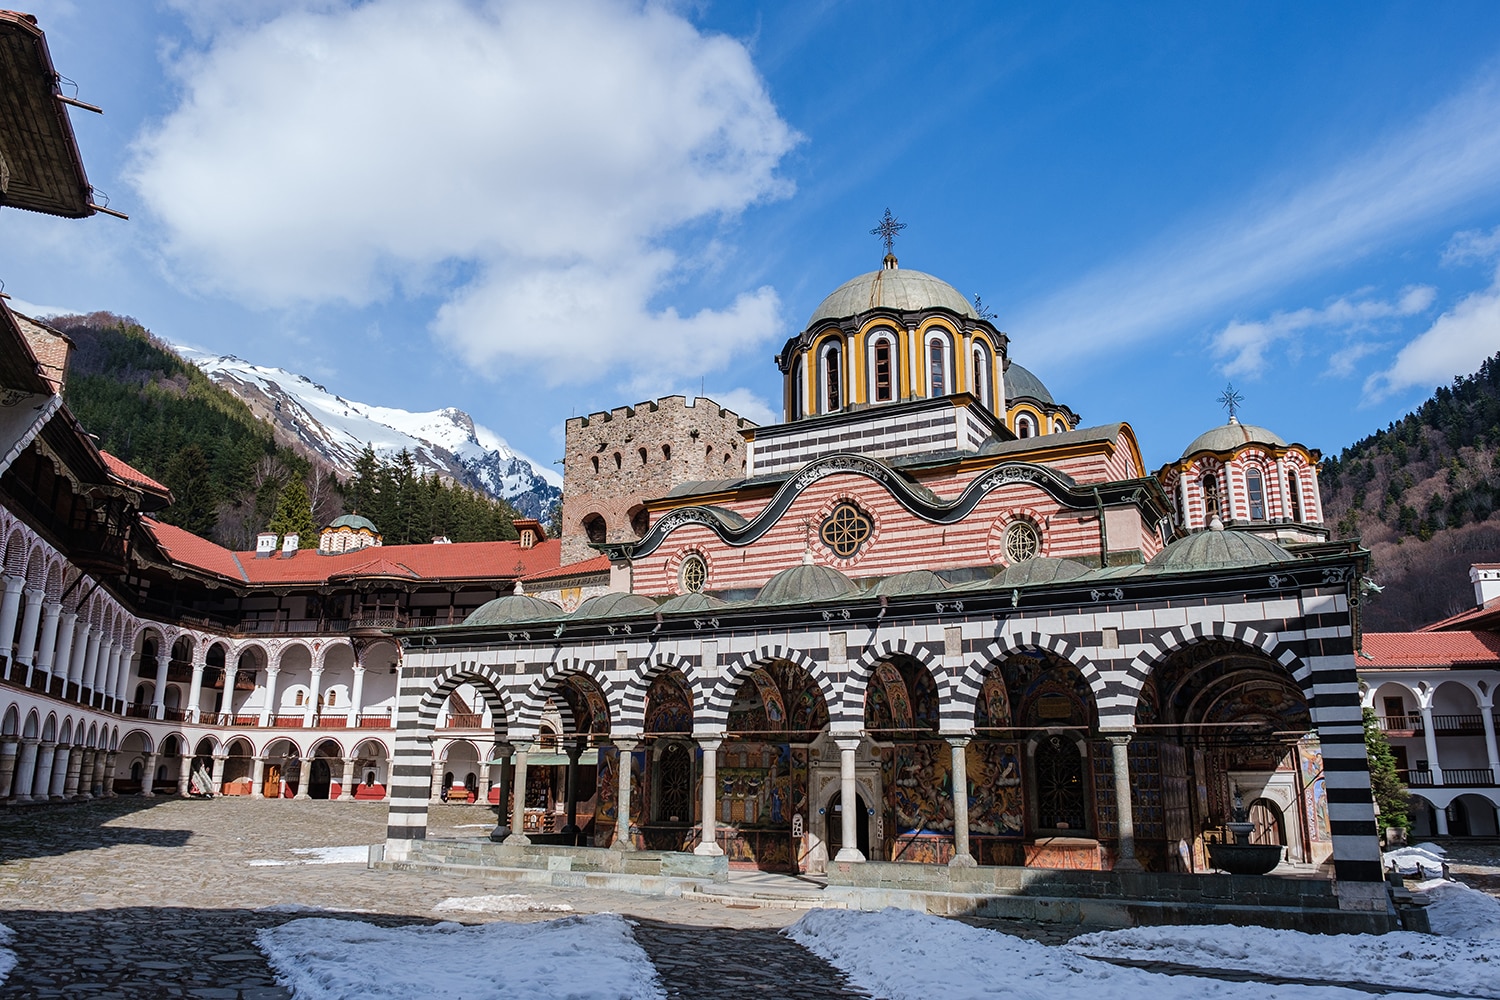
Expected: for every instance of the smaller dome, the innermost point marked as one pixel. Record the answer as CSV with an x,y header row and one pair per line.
x,y
1218,549
692,604
513,609
614,606
355,522
1042,569
806,583
1020,382
1228,437
917,581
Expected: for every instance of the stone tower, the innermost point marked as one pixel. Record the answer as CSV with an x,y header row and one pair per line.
x,y
617,460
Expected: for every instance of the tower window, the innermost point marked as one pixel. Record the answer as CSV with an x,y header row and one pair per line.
x,y
883,371
666,452
593,527
1294,491
595,460
981,382
1022,541
797,390
1025,427
617,460
1255,492
640,521
1210,495
938,379
1058,427
832,380
643,456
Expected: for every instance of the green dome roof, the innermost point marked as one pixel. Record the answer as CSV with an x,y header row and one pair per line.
x,y
806,583
891,288
692,604
355,522
1042,569
1228,437
917,581
614,605
1020,382
1213,549
513,609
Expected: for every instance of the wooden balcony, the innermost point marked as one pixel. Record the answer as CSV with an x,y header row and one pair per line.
x,y
1401,725
1468,777
465,721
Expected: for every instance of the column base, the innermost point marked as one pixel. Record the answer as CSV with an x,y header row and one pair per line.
x,y
849,854
1128,865
624,845
708,849
962,861
518,840
301,796
500,834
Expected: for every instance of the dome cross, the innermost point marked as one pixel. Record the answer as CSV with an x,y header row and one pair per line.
x,y
888,229
1231,400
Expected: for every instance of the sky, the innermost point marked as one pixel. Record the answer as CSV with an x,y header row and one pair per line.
x,y
531,209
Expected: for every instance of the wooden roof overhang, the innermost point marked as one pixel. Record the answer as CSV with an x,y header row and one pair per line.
x,y
41,169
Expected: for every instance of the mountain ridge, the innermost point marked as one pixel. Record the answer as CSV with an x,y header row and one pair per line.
x,y
448,441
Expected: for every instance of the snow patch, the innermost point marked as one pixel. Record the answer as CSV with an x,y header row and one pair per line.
x,y
354,854
7,957
1461,911
588,958
903,955
1406,859
514,902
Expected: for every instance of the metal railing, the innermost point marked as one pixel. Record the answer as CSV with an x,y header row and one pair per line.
x,y
1473,777
1401,723
1458,725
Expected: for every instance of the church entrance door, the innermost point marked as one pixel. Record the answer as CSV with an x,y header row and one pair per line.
x,y
321,778
835,819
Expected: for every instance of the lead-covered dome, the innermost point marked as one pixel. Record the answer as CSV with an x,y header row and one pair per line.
x,y
1231,436
806,583
614,606
513,609
1218,549
891,288
1021,382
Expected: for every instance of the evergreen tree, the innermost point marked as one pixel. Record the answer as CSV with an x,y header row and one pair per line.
x,y
196,496
294,515
1391,796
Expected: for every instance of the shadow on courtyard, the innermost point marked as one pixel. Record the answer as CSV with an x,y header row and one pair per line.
x,y
48,830
148,952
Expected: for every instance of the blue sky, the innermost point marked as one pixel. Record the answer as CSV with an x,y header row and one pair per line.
x,y
530,210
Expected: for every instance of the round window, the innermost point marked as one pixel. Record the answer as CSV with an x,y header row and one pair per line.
x,y
694,574
1022,542
845,529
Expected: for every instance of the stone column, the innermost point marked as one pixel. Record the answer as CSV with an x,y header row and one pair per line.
x,y
231,668
315,692
1429,737
110,761
109,669
623,842
502,823
59,780
962,856
708,841
258,778
218,776
435,793
158,705
574,752
1440,813
74,766
148,777
1119,746
91,680
184,775
25,770
304,778
10,608
86,775
269,710
351,778
849,798
78,654
119,672
482,793
195,689
48,645
9,745
357,695
518,806
64,645
42,783
26,642
1487,718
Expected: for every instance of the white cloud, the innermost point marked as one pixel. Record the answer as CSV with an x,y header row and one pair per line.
x,y
1446,159
526,162
36,311
1472,246
748,405
1455,344
1242,347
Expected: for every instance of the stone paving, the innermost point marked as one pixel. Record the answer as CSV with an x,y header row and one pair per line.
x,y
146,898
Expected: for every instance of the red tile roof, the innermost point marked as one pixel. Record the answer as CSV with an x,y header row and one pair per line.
x,y
1429,649
1486,617
130,474
585,567
457,561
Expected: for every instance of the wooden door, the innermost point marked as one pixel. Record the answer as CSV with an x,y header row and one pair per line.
x,y
272,787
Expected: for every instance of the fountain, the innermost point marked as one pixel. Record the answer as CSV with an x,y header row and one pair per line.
x,y
1243,857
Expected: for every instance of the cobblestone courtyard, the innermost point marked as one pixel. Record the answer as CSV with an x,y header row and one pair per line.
x,y
140,898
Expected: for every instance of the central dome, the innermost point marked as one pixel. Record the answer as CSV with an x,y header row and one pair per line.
x,y
891,288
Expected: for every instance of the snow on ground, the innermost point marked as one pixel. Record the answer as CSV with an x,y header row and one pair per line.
x,y
585,958
903,955
305,908
356,854
7,957
514,902
1461,911
1406,859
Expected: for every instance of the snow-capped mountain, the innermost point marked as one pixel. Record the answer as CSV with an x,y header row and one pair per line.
x,y
445,441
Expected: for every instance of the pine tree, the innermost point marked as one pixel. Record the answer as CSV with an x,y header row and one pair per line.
x,y
1391,796
294,515
196,497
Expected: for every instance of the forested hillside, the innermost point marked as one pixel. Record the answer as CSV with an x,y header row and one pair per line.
x,y
1423,496
230,477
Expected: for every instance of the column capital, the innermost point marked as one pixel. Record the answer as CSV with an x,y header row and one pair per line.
x,y
625,744
34,595
1119,739
13,584
522,746
848,743
709,742
958,742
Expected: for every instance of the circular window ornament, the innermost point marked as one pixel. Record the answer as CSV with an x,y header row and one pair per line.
x,y
1022,541
694,574
845,529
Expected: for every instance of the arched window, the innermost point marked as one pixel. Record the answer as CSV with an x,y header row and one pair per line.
x,y
666,453
1255,493
1059,426
594,527
640,521
937,368
1210,495
1294,491
981,381
798,389
833,378
884,390
643,456
1025,426
694,576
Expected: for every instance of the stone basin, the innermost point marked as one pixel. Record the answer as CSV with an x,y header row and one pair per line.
x,y
1244,859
